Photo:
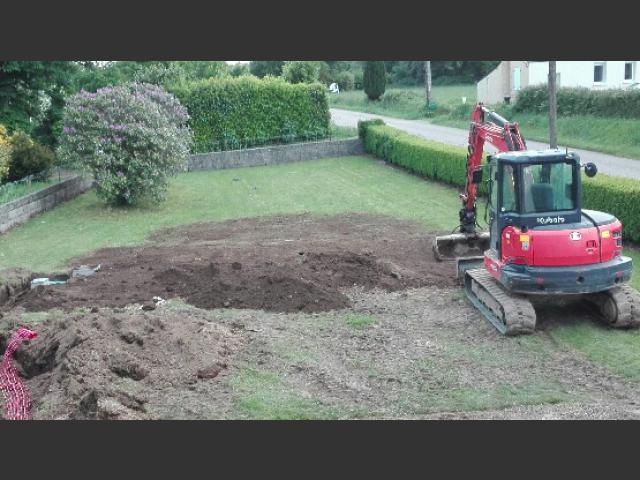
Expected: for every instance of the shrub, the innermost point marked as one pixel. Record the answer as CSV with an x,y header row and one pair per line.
x,y
426,158
241,112
618,196
28,158
581,101
130,137
301,72
262,68
5,153
374,79
346,80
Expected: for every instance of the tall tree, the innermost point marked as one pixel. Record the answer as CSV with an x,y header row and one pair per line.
x,y
553,106
262,68
32,95
374,79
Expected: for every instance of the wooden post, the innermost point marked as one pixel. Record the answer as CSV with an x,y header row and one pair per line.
x,y
427,82
553,106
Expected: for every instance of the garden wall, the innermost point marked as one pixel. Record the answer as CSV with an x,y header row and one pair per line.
x,y
20,210
275,155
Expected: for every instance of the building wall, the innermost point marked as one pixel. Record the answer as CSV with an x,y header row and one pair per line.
x,y
505,81
580,74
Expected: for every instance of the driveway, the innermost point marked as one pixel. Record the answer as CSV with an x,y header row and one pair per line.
x,y
607,164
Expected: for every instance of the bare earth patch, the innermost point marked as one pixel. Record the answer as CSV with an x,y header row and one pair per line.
x,y
294,317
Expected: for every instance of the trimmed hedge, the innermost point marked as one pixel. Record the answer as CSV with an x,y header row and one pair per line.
x,y
231,113
430,159
618,196
581,101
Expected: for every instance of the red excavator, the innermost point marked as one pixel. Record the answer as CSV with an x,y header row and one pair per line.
x,y
540,240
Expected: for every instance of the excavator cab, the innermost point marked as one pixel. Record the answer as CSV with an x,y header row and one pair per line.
x,y
532,188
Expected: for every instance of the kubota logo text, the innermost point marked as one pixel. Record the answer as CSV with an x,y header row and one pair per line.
x,y
549,220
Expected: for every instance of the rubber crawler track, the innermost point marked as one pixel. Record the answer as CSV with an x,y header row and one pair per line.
x,y
511,314
627,302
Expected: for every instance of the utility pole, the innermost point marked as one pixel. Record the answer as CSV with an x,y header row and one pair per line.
x,y
553,106
427,82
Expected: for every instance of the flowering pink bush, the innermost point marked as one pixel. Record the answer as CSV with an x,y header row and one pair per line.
x,y
130,137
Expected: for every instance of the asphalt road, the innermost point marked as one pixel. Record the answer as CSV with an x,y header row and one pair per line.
x,y
607,164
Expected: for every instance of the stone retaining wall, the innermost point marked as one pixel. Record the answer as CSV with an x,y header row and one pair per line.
x,y
275,155
20,210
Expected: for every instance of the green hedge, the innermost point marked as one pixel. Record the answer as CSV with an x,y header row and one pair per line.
x,y
424,157
581,101
232,113
618,196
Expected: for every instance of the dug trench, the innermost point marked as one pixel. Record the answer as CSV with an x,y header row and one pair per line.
x,y
290,317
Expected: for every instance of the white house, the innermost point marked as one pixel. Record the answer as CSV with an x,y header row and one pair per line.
x,y
505,82
595,75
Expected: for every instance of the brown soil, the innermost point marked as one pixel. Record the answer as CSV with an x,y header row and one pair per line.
x,y
408,345
282,264
121,365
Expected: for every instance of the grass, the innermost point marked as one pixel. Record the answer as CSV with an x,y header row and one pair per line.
x,y
325,187
616,136
495,397
264,395
13,191
408,102
358,320
616,350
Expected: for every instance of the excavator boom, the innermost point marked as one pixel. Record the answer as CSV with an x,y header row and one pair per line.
x,y
486,126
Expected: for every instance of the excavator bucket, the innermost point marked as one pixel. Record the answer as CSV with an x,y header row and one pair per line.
x,y
460,245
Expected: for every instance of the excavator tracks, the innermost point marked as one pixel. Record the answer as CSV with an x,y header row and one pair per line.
x,y
620,306
510,313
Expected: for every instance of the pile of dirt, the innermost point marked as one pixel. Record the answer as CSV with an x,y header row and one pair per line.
x,y
284,264
120,365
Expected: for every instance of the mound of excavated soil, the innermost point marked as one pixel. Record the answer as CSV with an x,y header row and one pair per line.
x,y
284,264
122,365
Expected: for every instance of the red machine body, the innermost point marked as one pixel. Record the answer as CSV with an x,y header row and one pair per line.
x,y
541,243
540,240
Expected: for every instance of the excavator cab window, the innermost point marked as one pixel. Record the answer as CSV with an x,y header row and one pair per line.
x,y
548,187
509,196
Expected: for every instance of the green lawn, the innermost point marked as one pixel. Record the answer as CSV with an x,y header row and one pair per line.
x,y
616,136
349,184
330,186
408,102
352,184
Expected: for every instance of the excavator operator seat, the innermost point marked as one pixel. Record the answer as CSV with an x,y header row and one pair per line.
x,y
542,197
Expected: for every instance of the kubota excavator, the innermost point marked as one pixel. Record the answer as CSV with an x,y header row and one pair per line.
x,y
540,240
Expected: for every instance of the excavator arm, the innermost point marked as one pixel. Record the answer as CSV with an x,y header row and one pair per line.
x,y
486,126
